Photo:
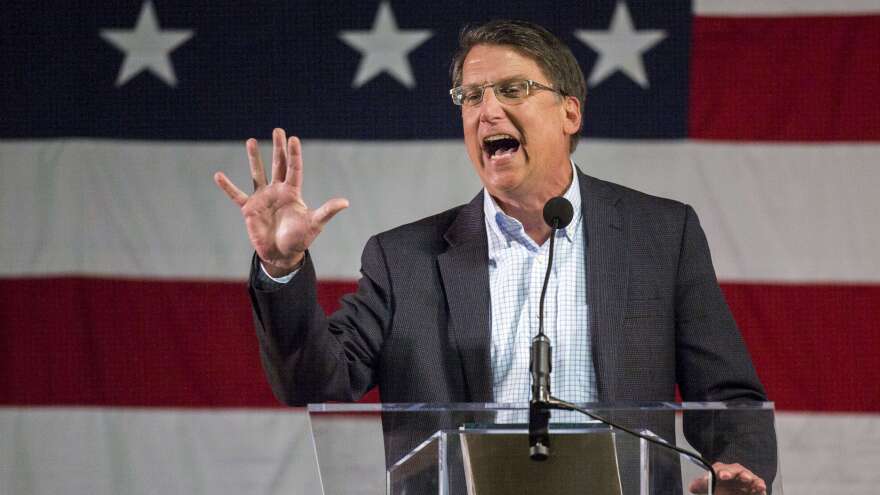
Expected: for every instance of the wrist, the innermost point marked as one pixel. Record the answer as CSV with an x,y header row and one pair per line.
x,y
283,268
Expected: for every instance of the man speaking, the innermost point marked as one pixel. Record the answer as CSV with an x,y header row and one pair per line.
x,y
446,306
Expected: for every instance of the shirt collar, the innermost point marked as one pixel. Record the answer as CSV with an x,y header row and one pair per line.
x,y
511,230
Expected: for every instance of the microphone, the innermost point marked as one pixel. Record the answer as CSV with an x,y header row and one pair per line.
x,y
558,213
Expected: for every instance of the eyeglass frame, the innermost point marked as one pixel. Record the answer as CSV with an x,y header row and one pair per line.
x,y
530,84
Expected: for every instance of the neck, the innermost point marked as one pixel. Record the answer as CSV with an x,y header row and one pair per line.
x,y
530,216
529,208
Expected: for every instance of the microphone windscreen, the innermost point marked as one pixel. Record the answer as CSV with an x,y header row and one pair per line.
x,y
558,211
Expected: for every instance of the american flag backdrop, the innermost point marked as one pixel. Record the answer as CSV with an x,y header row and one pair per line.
x,y
128,362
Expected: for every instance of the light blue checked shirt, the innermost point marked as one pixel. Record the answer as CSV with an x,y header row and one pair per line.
x,y
516,274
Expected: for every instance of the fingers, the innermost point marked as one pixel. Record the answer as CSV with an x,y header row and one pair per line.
x,y
751,482
234,193
741,475
258,172
279,155
328,210
699,485
294,163
732,478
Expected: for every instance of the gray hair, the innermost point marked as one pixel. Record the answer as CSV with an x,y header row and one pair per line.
x,y
533,41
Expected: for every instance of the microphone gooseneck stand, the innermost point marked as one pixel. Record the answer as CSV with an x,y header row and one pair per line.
x,y
558,213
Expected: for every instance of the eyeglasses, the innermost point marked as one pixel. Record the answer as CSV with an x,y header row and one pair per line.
x,y
511,92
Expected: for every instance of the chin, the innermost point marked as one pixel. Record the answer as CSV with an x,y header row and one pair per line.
x,y
502,182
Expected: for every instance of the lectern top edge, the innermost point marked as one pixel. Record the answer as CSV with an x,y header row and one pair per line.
x,y
489,406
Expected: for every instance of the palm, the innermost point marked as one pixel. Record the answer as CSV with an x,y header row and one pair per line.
x,y
279,223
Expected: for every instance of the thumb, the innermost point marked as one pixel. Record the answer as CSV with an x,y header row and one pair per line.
x,y
328,210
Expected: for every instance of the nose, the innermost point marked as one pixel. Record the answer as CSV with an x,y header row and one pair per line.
x,y
490,108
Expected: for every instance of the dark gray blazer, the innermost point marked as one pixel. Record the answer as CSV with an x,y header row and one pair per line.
x,y
419,324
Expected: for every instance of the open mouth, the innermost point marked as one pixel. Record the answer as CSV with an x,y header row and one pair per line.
x,y
500,145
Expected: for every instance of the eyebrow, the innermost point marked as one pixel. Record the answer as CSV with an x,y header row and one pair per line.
x,y
504,79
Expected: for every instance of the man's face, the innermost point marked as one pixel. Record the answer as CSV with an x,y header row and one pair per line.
x,y
534,165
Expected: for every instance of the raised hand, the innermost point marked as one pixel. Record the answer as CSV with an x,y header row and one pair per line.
x,y
279,224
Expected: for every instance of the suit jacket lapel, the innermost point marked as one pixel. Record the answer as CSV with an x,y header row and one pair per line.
x,y
607,261
464,268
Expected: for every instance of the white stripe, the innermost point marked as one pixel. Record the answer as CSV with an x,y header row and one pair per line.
x,y
776,212
772,212
748,8
107,451
95,451
829,453
145,209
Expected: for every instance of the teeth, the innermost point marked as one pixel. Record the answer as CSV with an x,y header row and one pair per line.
x,y
496,137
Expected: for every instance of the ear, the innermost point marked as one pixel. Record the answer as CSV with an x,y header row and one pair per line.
x,y
572,118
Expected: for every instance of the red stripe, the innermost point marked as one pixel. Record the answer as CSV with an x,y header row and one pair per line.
x,y
190,344
128,343
785,79
816,347
107,342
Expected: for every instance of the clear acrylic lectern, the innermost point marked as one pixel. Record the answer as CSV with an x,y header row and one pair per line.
x,y
483,449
